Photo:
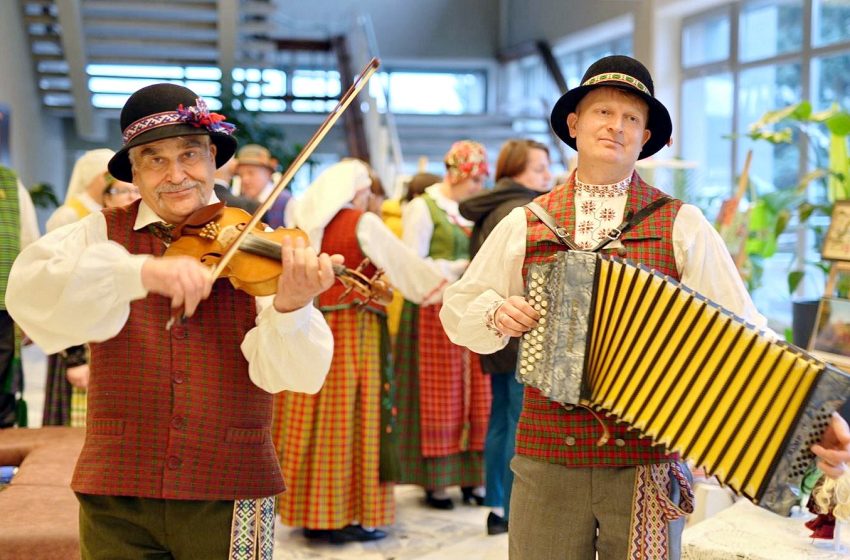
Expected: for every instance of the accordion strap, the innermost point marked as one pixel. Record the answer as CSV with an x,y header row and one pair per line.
x,y
629,223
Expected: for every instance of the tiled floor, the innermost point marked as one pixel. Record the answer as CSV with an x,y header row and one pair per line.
x,y
419,533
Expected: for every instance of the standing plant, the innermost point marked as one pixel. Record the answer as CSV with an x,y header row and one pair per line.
x,y
815,193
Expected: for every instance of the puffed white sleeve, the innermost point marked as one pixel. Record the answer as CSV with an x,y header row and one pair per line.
x,y
288,351
493,275
74,286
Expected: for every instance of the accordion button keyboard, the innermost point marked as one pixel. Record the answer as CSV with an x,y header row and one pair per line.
x,y
570,440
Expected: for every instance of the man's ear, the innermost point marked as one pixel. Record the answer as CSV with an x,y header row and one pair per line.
x,y
571,124
213,150
646,134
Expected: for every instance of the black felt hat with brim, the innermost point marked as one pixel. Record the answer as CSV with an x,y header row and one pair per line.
x,y
627,74
162,111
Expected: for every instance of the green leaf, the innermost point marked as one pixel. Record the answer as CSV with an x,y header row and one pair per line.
x,y
794,279
839,124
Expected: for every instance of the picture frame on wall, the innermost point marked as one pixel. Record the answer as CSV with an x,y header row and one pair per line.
x,y
831,337
836,242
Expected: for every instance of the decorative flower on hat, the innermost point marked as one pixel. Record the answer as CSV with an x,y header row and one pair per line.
x,y
466,159
199,116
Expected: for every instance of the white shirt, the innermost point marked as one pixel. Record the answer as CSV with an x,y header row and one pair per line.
x,y
702,260
418,228
419,280
75,286
65,214
29,221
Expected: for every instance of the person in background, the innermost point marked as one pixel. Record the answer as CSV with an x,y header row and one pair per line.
x,y
339,446
255,166
223,179
522,174
576,494
84,194
18,229
68,370
391,211
178,460
119,193
444,400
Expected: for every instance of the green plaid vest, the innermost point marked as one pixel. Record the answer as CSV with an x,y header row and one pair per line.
x,y
546,430
10,227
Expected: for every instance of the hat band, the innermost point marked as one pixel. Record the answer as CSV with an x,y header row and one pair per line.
x,y
198,115
617,77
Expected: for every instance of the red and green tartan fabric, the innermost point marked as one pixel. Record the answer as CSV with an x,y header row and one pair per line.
x,y
548,431
173,414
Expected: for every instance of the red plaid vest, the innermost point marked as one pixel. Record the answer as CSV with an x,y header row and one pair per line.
x,y
173,414
546,430
340,237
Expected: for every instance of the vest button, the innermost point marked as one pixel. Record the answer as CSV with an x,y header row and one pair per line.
x,y
619,442
570,440
178,422
179,332
621,252
174,462
178,377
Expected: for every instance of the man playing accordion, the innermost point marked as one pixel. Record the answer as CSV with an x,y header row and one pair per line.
x,y
583,484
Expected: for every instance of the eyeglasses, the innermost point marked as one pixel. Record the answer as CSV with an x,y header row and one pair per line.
x,y
123,190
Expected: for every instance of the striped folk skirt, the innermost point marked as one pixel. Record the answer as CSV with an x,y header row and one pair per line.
x,y
329,442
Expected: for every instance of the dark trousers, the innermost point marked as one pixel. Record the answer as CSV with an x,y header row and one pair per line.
x,y
501,436
8,385
126,528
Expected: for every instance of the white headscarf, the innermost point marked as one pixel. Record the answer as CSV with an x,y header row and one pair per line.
x,y
332,190
89,166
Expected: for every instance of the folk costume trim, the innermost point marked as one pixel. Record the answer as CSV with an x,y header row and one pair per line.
x,y
252,530
653,509
198,115
599,209
617,77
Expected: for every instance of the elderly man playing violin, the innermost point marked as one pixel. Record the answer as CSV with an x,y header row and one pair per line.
x,y
178,460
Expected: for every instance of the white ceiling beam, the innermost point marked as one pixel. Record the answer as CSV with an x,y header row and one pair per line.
x,y
89,126
228,23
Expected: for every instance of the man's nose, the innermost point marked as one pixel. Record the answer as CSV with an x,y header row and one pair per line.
x,y
176,174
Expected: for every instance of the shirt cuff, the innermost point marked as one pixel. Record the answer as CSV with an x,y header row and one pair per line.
x,y
286,323
128,277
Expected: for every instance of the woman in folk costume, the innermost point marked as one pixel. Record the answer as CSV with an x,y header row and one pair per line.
x,y
68,371
338,447
444,400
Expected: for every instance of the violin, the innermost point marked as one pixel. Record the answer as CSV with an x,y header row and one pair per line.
x,y
208,233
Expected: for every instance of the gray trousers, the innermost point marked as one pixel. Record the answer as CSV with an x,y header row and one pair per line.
x,y
560,513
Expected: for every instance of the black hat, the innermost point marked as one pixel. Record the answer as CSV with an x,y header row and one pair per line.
x,y
627,74
163,111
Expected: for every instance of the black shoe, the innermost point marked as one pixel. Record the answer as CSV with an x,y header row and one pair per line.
x,y
496,525
353,533
469,498
438,503
317,534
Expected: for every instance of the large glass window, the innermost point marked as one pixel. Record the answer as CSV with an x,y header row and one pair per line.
x,y
769,28
706,39
112,84
830,22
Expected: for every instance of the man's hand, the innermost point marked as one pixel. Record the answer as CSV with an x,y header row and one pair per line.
x,y
183,279
78,376
834,449
515,316
305,275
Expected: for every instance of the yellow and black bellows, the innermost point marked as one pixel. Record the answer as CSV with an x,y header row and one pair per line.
x,y
681,370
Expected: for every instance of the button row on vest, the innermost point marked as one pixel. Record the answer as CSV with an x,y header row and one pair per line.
x,y
174,462
179,332
178,422
570,440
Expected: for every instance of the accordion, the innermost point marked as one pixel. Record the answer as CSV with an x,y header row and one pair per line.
x,y
681,370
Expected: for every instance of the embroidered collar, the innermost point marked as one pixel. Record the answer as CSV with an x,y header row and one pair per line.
x,y
605,191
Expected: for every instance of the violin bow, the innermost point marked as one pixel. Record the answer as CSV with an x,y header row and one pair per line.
x,y
299,160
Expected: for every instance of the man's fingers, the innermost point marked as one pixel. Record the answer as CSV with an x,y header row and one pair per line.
x,y
840,429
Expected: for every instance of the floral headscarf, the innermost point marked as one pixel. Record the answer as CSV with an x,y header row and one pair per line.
x,y
466,159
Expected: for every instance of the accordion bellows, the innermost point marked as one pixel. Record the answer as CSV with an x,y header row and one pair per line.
x,y
680,369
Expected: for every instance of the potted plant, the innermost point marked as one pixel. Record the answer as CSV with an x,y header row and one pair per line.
x,y
808,204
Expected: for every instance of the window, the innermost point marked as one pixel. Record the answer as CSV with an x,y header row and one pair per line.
x,y
739,62
112,84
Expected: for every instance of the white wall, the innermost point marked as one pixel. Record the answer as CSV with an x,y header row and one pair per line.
x,y
36,139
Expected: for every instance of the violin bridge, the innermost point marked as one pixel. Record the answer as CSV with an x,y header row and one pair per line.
x,y
210,231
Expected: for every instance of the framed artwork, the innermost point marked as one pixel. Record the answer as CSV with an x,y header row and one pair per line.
x,y
836,243
831,337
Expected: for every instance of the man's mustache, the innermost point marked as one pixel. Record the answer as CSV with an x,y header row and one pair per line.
x,y
175,187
